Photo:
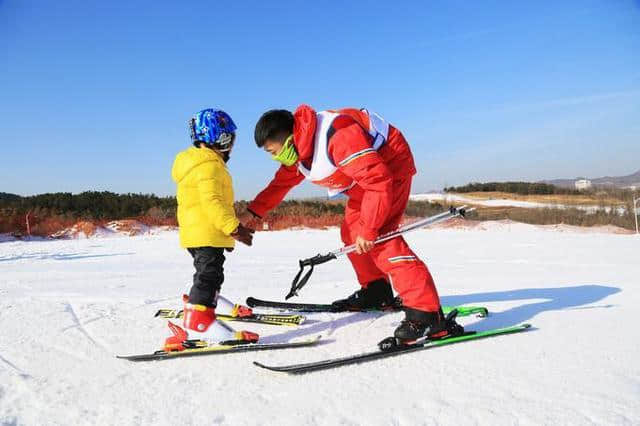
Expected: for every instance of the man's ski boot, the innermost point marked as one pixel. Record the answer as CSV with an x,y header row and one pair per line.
x,y
376,295
419,326
201,329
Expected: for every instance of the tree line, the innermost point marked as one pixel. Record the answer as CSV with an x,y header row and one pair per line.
x,y
89,204
109,205
522,188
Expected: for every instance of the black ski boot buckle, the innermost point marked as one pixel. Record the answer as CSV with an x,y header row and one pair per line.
x,y
390,344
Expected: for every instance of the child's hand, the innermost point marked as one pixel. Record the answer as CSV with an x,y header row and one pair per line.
x,y
243,234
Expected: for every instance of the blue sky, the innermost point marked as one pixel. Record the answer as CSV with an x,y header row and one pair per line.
x,y
95,95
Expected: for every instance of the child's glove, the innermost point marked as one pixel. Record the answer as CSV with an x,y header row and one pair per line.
x,y
243,234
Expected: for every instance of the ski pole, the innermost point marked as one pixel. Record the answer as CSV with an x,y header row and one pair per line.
x,y
319,259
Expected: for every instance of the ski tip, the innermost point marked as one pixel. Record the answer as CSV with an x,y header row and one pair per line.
x,y
127,357
270,367
251,301
138,358
124,356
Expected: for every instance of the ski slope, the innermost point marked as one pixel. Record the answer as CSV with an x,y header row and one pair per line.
x,y
68,307
507,202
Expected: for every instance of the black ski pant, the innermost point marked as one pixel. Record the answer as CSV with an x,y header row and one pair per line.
x,y
209,275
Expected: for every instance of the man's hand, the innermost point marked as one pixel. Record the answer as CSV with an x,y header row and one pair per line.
x,y
243,234
362,245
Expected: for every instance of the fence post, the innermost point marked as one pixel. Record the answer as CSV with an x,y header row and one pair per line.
x,y
635,212
27,220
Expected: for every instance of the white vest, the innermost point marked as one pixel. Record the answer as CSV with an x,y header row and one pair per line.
x,y
321,165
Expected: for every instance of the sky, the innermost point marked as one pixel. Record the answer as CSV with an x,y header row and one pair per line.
x,y
96,95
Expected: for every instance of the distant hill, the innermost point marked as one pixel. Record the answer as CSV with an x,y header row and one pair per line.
x,y
5,196
617,181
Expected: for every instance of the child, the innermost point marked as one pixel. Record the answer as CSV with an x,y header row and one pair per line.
x,y
208,226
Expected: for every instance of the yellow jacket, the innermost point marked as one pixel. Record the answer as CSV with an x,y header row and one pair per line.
x,y
205,199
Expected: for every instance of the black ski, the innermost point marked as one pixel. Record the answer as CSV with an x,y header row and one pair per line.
x,y
397,350
298,307
480,311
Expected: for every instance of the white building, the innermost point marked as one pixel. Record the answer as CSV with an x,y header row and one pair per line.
x,y
583,184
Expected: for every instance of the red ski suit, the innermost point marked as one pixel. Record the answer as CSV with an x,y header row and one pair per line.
x,y
376,202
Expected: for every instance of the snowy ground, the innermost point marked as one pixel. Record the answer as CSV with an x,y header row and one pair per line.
x,y
67,307
507,202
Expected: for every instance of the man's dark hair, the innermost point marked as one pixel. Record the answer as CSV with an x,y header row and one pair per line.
x,y
276,125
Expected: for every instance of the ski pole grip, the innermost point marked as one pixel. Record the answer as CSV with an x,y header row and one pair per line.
x,y
318,259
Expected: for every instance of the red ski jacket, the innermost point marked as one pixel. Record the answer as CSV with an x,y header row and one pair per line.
x,y
373,172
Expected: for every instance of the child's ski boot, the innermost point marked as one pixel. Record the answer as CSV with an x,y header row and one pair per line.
x,y
202,329
225,306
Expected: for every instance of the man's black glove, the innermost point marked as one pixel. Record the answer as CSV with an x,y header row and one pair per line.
x,y
243,234
254,214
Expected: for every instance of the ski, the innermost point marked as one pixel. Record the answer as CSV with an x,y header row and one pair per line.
x,y
302,307
398,350
270,319
463,311
219,349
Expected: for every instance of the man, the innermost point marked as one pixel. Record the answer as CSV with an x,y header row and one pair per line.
x,y
356,153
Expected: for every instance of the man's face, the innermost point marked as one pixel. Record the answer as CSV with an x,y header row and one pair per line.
x,y
272,147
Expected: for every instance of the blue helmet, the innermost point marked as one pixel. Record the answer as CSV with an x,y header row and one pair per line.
x,y
213,127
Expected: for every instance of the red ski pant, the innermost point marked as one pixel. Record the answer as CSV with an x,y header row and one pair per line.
x,y
392,259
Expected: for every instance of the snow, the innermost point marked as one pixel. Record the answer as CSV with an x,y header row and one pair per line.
x,y
449,198
68,306
509,225
506,202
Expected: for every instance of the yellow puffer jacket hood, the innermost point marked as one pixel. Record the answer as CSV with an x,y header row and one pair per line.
x,y
205,199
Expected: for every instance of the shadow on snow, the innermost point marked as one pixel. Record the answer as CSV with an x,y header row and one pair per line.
x,y
554,299
58,256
